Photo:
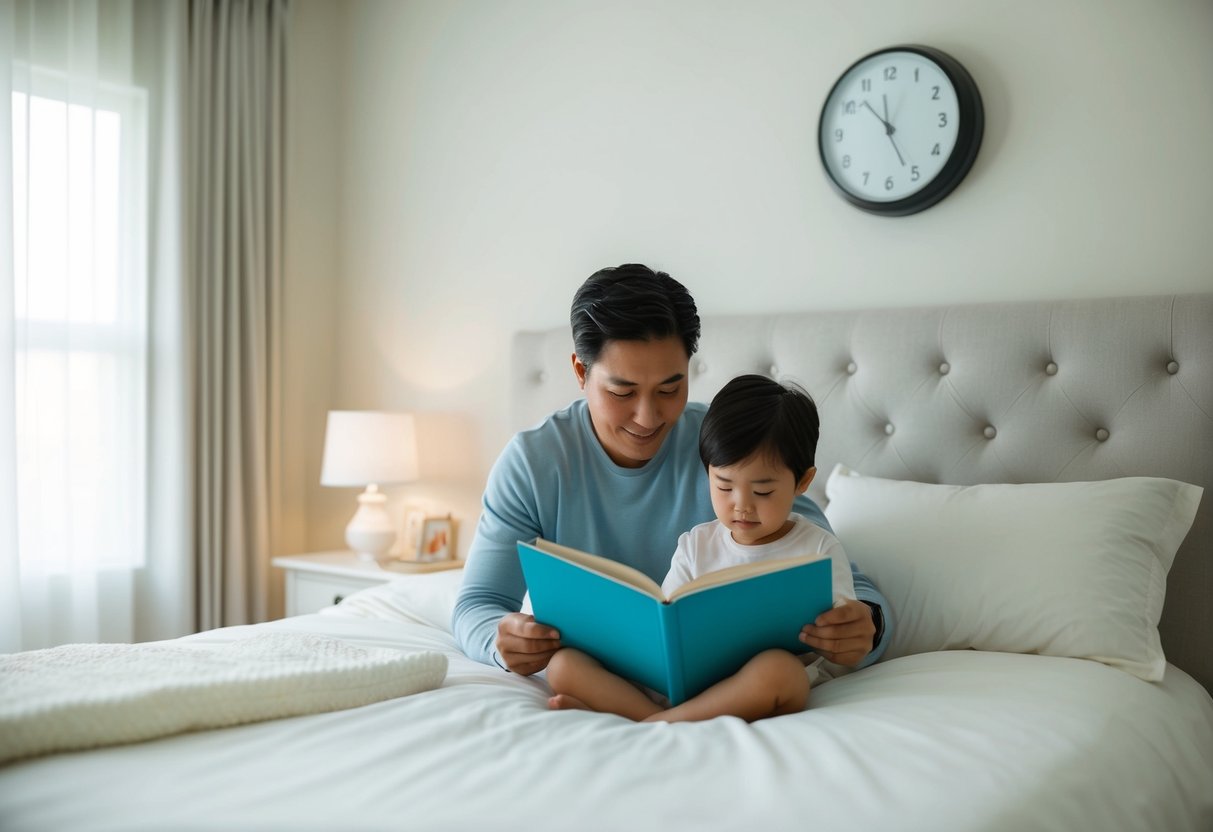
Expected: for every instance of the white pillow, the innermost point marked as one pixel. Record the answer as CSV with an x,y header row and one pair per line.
x,y
424,598
1073,569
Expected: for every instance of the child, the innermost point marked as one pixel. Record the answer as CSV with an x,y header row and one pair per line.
x,y
757,443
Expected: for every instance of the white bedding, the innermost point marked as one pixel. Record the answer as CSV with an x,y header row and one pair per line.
x,y
80,696
960,740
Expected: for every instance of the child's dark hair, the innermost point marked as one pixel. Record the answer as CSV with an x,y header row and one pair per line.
x,y
753,413
631,303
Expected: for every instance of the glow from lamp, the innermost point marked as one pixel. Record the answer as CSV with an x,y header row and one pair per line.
x,y
370,448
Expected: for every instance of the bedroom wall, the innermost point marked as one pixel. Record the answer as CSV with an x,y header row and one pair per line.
x,y
472,162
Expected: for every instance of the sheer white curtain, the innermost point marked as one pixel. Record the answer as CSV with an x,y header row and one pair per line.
x,y
141,216
95,522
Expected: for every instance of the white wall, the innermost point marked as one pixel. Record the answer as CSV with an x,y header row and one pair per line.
x,y
491,155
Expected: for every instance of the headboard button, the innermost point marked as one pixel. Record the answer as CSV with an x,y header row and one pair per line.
x,y
700,368
774,371
945,368
1172,367
1051,368
851,368
990,432
541,377
1101,435
888,429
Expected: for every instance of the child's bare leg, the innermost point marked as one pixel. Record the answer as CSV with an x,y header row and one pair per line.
x,y
576,676
772,683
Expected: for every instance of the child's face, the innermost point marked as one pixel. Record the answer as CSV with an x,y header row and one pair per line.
x,y
753,498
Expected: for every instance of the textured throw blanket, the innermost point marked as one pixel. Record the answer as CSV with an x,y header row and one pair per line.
x,y
87,695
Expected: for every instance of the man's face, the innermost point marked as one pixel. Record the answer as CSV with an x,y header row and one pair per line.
x,y
636,391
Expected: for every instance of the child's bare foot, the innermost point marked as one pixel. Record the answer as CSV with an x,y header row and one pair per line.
x,y
564,702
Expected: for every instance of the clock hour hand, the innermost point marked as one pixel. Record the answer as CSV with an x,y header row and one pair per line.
x,y
888,128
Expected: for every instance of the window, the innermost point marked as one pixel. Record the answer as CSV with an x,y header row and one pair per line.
x,y
79,232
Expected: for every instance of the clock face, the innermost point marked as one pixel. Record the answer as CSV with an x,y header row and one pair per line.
x,y
900,129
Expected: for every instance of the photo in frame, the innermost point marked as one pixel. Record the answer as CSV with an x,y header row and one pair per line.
x,y
437,541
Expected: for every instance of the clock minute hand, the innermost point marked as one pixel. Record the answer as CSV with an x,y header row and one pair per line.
x,y
896,149
889,129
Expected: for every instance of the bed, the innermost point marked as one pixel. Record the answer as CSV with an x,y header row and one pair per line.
x,y
1022,480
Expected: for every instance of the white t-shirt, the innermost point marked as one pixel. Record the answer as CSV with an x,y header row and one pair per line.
x,y
710,546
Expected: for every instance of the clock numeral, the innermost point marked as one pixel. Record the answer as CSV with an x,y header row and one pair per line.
x,y
890,73
943,119
849,109
846,162
935,150
865,177
838,135
888,184
913,173
866,85
934,93
915,75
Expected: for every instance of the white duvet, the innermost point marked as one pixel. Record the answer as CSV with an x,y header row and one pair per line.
x,y
941,741
81,696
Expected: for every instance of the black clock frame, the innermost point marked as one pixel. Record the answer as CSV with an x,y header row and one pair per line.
x,y
964,153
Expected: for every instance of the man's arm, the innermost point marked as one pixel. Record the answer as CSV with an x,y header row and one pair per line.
x,y
486,620
492,586
858,632
882,617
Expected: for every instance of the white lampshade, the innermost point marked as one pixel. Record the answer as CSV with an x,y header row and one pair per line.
x,y
369,448
362,447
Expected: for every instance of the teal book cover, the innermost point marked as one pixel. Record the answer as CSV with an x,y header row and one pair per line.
x,y
682,645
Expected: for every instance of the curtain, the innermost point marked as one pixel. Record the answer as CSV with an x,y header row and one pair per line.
x,y
140,315
236,167
95,517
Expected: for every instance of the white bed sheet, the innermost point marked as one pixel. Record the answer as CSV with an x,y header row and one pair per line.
x,y
943,741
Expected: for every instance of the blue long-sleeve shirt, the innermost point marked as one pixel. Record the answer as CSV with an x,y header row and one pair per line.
x,y
556,481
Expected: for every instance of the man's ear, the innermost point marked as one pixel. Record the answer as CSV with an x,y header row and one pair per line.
x,y
803,485
579,370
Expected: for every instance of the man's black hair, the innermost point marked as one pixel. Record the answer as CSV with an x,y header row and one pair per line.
x,y
631,303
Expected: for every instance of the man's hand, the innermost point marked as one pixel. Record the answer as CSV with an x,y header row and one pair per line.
x,y
843,635
526,646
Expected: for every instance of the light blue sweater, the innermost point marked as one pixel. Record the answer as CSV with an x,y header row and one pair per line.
x,y
555,481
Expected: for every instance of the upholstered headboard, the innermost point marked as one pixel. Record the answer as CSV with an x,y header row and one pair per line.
x,y
1023,392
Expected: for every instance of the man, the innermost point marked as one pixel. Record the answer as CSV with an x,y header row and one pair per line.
x,y
618,473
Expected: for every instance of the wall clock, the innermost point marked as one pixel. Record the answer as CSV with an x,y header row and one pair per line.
x,y
900,129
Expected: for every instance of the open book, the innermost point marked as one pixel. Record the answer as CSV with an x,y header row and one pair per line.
x,y
681,645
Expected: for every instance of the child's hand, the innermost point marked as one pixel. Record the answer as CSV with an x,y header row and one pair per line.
x,y
525,645
843,635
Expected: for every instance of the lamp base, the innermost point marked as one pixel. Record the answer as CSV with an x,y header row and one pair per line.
x,y
371,531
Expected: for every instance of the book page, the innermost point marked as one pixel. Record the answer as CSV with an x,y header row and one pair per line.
x,y
596,563
740,572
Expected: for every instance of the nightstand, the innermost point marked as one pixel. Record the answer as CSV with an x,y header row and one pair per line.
x,y
319,580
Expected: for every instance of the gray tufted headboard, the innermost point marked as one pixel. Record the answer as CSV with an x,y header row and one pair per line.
x,y
1023,392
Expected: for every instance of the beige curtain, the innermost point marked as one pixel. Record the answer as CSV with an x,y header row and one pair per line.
x,y
236,162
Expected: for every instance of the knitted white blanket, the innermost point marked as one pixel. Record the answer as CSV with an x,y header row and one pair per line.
x,y
87,695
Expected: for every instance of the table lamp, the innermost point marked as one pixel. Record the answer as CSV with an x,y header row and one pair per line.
x,y
369,448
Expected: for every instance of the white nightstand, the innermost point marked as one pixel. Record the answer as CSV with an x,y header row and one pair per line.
x,y
322,579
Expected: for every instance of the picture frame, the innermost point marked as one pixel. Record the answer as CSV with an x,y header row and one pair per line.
x,y
428,538
437,539
410,538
